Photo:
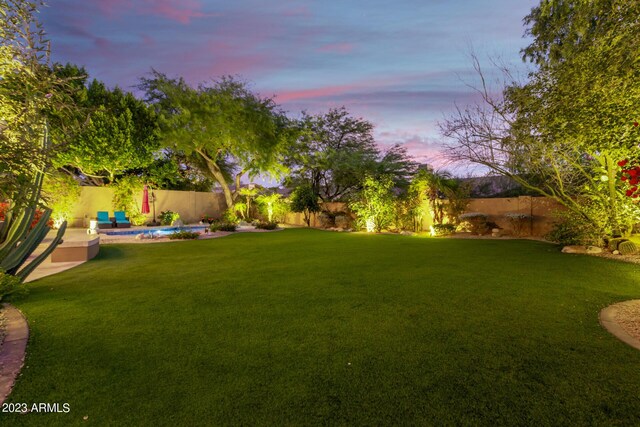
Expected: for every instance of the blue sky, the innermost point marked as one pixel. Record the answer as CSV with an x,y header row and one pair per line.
x,y
402,65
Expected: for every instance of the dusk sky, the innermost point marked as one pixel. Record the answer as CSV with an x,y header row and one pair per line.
x,y
401,65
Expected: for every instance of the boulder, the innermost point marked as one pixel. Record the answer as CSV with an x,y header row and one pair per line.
x,y
581,250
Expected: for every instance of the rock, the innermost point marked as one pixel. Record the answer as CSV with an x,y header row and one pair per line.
x,y
581,250
574,250
407,233
139,236
616,252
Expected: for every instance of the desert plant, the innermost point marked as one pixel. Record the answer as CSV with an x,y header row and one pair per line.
x,y
442,229
613,243
518,222
248,193
627,248
242,209
266,225
11,286
168,217
17,240
475,222
184,235
223,226
230,217
268,203
573,229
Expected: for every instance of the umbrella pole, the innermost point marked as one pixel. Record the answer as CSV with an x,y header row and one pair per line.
x,y
153,201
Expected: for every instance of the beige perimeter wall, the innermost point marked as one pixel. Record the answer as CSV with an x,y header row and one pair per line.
x,y
191,205
540,208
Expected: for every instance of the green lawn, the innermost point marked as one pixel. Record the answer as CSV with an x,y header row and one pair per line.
x,y
312,327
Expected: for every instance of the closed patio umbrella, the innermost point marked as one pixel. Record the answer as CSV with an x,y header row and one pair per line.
x,y
145,200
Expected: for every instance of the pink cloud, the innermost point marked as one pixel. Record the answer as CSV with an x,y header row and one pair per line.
x,y
114,7
286,96
337,48
297,11
181,11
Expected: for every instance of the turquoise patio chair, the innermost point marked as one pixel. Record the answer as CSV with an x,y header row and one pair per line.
x,y
121,220
103,220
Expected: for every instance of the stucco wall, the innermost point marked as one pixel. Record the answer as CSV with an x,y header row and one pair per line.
x,y
540,208
189,204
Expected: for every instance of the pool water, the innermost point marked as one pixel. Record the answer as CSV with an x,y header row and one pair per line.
x,y
158,232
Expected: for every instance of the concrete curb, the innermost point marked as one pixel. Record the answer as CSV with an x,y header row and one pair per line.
x,y
13,349
608,321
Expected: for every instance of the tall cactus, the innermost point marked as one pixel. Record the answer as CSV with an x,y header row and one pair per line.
x,y
17,240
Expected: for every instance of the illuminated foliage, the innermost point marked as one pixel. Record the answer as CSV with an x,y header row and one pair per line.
x,y
374,205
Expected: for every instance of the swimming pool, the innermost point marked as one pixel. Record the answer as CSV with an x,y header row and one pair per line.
x,y
158,232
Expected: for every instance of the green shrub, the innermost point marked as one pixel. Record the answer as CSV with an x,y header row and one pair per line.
x,y
168,217
574,230
230,217
627,248
11,287
222,226
184,234
61,192
374,206
443,229
475,222
266,225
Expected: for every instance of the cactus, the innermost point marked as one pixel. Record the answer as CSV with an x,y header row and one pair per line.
x,y
615,242
627,248
17,241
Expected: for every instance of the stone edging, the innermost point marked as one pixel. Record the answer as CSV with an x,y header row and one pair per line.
x,y
608,321
13,349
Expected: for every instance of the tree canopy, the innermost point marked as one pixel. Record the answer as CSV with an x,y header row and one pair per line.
x,y
231,130
111,131
335,152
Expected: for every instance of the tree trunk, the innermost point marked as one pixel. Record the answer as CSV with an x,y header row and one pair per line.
x,y
217,174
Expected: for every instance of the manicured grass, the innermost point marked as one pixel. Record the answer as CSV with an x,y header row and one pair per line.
x,y
312,327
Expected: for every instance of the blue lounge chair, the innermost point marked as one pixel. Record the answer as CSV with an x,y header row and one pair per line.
x,y
103,220
121,220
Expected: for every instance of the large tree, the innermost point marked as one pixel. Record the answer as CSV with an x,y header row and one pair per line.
x,y
110,132
563,131
229,129
335,151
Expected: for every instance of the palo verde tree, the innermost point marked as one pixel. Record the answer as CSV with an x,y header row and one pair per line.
x,y
563,131
231,130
